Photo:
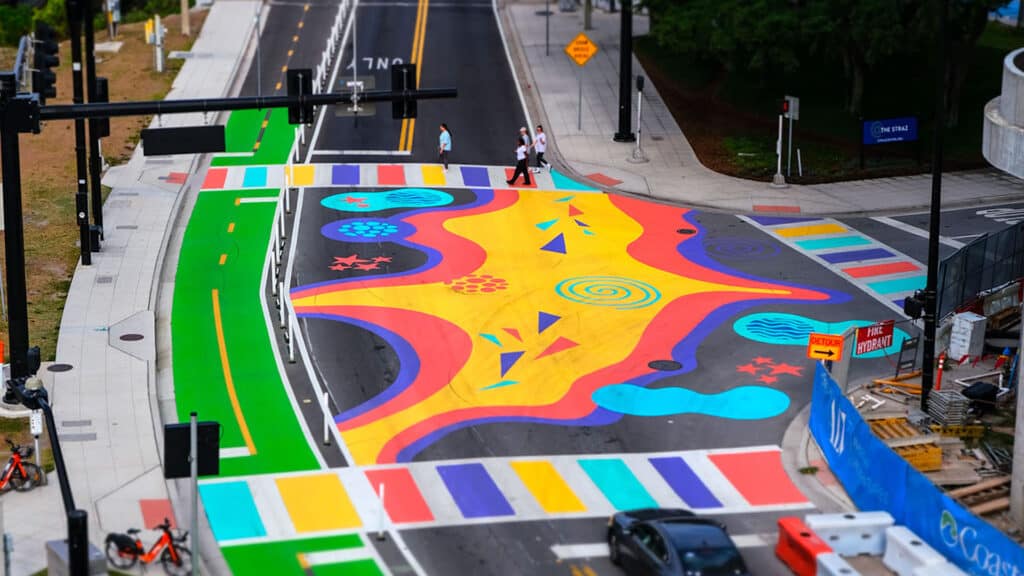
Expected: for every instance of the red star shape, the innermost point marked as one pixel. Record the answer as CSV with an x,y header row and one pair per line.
x,y
348,260
762,360
748,368
340,267
767,379
784,368
366,266
379,259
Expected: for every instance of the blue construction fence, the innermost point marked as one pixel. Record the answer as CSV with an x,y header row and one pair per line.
x,y
876,478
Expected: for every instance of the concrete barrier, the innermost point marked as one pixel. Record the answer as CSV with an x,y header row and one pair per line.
x,y
834,565
852,534
905,552
946,569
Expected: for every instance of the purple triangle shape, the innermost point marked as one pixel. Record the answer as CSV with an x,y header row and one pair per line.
x,y
545,320
581,223
508,359
557,244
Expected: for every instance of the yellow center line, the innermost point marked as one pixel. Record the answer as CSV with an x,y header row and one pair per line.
x,y
223,259
228,381
231,227
418,38
588,570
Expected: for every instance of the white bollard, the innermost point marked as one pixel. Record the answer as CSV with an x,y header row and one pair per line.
x,y
327,412
852,534
380,527
281,310
287,200
834,565
905,552
291,342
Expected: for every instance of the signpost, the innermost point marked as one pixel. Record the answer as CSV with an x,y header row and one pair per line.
x,y
824,346
792,113
580,50
874,337
888,131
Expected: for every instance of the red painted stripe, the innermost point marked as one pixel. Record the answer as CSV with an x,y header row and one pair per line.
x,y
508,176
880,269
759,477
215,178
773,208
154,512
402,499
605,180
390,175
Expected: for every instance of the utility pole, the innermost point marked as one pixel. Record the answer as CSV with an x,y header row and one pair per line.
x,y
625,73
74,10
94,137
186,26
931,284
14,231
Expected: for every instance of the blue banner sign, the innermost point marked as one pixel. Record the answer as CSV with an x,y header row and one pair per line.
x,y
876,478
890,130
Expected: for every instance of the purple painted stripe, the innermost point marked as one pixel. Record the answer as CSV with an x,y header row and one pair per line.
x,y
345,174
685,482
475,176
773,220
856,255
473,490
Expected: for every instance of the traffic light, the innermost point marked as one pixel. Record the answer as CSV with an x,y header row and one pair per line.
x,y
300,82
403,79
913,306
44,79
784,107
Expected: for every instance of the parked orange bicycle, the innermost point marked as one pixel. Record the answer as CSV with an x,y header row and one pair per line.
x,y
124,550
19,473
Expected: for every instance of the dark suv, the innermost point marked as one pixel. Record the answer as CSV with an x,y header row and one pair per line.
x,y
656,542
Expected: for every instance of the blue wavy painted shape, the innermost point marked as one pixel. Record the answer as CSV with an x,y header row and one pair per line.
x,y
373,201
741,403
792,330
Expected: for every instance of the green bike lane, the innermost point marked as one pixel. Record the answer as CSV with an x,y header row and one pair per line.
x,y
226,370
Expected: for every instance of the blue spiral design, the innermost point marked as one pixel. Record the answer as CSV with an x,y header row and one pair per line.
x,y
609,291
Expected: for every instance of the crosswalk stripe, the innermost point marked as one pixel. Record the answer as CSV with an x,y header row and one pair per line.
x,y
600,549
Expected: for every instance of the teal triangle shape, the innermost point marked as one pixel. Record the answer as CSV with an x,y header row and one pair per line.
x,y
492,338
546,225
501,384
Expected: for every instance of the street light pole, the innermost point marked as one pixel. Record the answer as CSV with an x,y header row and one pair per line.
x,y
931,284
625,73
94,138
74,10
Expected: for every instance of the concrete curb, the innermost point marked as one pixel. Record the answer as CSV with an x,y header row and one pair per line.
x,y
798,451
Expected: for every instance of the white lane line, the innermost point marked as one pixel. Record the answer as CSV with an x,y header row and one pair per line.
x,y
512,67
899,225
258,200
600,549
336,556
238,452
362,153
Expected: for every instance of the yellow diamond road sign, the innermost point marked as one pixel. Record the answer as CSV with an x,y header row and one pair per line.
x,y
581,49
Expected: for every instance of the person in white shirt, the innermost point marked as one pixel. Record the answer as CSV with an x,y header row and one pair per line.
x,y
522,155
444,145
540,145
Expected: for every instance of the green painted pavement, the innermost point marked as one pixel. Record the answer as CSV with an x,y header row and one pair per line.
x,y
242,130
199,380
282,558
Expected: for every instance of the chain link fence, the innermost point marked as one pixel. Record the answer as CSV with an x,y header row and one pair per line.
x,y
986,263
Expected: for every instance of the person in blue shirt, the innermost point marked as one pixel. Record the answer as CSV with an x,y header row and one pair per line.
x,y
444,145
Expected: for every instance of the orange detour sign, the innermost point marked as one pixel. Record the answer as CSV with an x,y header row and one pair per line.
x,y
824,346
581,49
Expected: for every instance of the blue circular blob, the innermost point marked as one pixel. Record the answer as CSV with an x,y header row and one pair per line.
x,y
366,230
741,403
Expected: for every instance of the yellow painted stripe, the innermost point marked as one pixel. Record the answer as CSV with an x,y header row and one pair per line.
x,y
317,503
547,486
419,34
813,230
423,37
302,175
223,259
228,381
303,563
433,175
401,137
231,227
238,201
277,86
266,122
575,570
256,146
588,571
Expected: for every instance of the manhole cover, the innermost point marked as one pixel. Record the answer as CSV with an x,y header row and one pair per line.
x,y
132,337
59,367
665,365
686,231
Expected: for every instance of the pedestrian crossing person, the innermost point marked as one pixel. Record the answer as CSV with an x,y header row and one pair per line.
x,y
444,145
522,155
540,145
524,137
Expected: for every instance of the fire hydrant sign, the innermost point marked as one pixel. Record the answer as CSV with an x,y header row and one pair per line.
x,y
824,346
581,49
874,337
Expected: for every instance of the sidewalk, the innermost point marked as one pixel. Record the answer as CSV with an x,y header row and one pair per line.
x,y
673,172
106,402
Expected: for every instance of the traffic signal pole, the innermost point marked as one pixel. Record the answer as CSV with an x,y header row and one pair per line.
x,y
74,10
625,73
94,137
14,236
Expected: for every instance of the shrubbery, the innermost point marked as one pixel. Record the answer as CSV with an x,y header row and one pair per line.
x,y
17,20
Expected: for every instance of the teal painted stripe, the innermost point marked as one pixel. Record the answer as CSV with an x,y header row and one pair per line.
x,y
255,177
826,243
231,511
618,484
898,285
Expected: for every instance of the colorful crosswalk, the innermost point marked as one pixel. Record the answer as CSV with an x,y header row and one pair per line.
x,y
882,272
380,175
277,507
